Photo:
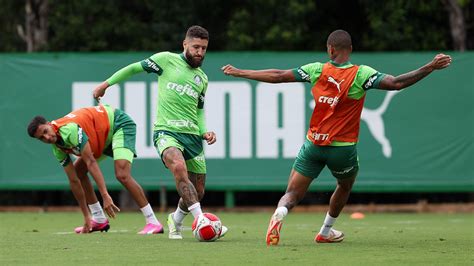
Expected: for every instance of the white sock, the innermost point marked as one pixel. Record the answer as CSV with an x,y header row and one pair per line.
x,y
195,209
97,213
149,215
280,213
179,215
327,225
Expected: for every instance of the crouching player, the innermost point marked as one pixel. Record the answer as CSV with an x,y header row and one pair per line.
x,y
90,133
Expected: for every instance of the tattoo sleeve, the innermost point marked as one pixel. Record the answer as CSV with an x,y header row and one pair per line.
x,y
187,192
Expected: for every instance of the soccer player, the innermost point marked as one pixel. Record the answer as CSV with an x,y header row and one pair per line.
x,y
90,133
180,126
339,89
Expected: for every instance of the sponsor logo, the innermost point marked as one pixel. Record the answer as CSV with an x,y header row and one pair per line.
x,y
304,75
320,136
333,81
79,135
70,115
376,123
370,81
181,90
152,65
329,100
199,158
64,161
182,123
344,171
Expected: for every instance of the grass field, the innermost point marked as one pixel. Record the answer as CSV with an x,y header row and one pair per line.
x,y
379,239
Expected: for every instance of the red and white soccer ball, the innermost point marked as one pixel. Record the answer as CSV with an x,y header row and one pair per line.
x,y
207,227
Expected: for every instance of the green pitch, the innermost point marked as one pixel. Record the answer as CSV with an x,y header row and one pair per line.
x,y
379,239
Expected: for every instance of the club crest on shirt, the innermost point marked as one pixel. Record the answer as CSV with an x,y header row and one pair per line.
x,y
197,80
162,142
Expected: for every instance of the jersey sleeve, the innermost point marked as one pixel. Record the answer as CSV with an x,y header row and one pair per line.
x,y
368,78
63,158
308,73
125,73
155,63
73,137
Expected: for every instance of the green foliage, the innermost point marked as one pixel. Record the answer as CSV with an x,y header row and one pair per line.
x,y
10,17
410,25
154,25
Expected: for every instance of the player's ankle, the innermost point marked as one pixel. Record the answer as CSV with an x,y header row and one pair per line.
x,y
280,213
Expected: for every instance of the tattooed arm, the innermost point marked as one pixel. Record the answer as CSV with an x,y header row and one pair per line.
x,y
390,82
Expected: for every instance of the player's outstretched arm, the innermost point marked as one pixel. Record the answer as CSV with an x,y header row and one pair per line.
x,y
390,82
78,193
117,77
266,75
93,168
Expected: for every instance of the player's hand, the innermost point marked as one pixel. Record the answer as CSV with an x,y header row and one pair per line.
x,y
109,206
99,91
230,70
210,137
441,61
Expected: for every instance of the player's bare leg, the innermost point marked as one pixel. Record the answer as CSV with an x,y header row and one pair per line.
x,y
340,196
123,175
189,201
199,182
337,202
81,170
174,160
99,221
297,186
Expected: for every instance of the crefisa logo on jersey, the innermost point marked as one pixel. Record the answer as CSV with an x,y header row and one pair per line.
x,y
197,80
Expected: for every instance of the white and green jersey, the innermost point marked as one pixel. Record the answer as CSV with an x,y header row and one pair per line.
x,y
181,91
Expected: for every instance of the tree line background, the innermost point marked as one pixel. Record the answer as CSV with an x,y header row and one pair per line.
x,y
261,25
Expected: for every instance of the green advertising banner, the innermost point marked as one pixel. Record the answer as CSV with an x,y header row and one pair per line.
x,y
419,139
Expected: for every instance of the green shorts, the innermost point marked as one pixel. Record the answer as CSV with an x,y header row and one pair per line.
x,y
123,139
189,144
342,161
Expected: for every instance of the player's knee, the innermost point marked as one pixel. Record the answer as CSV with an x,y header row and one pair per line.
x,y
123,176
178,167
346,184
81,170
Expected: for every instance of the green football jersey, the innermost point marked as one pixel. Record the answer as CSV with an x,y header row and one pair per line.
x,y
181,91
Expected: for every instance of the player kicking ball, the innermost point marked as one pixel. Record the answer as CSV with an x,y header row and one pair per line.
x,y
180,128
91,134
339,89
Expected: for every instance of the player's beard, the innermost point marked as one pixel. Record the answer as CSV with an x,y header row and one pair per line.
x,y
193,61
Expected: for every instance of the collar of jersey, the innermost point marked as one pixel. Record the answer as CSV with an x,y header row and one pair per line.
x,y
343,65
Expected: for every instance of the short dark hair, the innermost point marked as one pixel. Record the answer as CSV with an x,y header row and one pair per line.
x,y
197,32
35,123
340,39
